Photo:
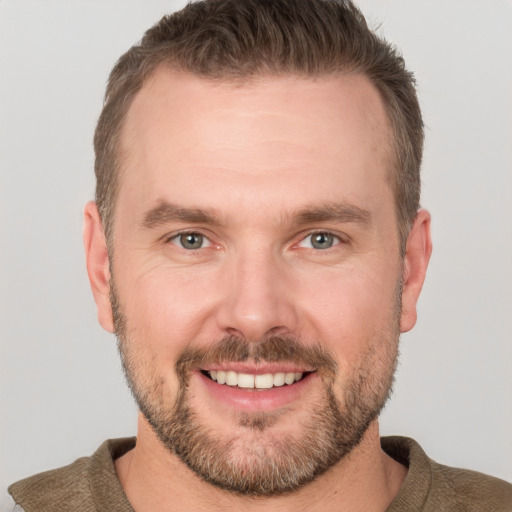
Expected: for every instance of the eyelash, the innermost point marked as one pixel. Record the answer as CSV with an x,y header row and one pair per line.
x,y
174,239
335,239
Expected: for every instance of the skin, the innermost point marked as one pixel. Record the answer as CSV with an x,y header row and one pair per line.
x,y
256,154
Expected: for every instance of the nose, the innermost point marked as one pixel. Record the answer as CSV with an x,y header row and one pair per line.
x,y
257,298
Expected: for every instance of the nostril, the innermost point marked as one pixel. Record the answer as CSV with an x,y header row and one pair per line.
x,y
235,333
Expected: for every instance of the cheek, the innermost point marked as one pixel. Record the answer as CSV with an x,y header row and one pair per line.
x,y
350,312
168,309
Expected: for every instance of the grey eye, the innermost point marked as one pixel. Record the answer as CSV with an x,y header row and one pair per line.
x,y
322,240
191,241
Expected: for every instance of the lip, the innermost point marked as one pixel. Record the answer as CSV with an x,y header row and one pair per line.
x,y
254,400
259,369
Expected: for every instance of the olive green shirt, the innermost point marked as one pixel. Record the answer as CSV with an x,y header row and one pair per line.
x,y
90,484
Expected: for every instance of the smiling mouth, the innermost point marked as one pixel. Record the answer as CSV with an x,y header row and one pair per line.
x,y
252,381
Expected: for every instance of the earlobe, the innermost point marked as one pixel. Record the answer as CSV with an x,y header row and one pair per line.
x,y
417,256
98,267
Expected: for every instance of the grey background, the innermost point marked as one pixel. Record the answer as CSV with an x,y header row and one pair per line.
x,y
61,387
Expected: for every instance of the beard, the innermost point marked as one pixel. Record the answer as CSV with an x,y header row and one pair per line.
x,y
255,461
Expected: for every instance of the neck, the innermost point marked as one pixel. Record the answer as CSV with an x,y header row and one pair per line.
x,y
155,479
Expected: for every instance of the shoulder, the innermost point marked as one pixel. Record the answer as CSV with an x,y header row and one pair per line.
x,y
43,490
76,487
473,491
430,486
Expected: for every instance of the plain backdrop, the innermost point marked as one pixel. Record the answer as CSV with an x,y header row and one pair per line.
x,y
61,387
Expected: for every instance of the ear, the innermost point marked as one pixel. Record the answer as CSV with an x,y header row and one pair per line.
x,y
98,267
417,256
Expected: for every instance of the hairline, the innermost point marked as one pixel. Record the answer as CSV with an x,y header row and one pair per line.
x,y
240,80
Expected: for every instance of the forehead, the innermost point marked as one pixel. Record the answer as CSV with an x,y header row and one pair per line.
x,y
265,136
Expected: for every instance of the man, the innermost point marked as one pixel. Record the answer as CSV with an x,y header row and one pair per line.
x,y
257,247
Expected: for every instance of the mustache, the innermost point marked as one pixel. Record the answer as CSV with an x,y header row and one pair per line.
x,y
271,350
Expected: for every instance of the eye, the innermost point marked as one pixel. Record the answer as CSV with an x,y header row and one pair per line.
x,y
190,241
320,240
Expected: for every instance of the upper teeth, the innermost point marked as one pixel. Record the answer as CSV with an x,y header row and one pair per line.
x,y
247,380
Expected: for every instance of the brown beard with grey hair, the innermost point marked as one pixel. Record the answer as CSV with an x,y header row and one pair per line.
x,y
254,461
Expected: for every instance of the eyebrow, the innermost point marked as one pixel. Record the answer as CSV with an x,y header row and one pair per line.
x,y
337,212
165,212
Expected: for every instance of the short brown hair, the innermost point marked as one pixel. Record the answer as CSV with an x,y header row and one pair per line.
x,y
239,39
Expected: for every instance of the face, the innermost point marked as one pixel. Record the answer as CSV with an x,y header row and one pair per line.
x,y
256,277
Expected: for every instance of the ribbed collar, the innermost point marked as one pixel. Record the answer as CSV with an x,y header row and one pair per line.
x,y
106,489
414,491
